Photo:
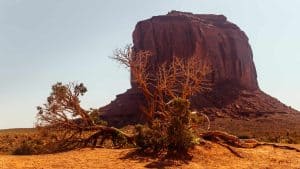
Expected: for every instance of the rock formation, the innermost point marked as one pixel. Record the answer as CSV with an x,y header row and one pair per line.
x,y
218,43
211,37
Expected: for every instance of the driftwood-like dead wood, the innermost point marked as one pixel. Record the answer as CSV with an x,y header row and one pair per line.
x,y
230,142
286,147
229,139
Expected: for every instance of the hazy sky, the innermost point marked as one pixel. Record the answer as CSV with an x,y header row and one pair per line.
x,y
45,41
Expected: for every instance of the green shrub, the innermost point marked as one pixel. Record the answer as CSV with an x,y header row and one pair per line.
x,y
172,133
152,139
180,136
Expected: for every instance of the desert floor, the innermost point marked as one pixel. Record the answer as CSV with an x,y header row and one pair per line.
x,y
213,156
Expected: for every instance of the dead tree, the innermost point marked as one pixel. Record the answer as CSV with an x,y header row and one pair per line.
x,y
177,78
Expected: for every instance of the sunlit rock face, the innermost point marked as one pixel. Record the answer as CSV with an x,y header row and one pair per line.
x,y
219,44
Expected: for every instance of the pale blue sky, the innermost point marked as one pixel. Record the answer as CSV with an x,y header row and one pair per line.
x,y
45,41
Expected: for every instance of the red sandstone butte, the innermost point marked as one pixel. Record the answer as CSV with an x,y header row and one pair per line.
x,y
220,44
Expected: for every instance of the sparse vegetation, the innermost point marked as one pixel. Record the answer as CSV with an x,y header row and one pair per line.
x,y
171,126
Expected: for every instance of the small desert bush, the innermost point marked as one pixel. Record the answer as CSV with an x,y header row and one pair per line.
x,y
43,141
152,139
180,135
173,133
12,139
28,147
24,149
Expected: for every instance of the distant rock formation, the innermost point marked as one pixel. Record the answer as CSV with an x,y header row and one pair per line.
x,y
220,44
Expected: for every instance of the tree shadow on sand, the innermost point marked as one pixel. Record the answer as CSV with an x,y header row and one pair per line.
x,y
155,160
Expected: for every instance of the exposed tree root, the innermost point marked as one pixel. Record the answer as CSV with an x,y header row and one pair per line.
x,y
219,136
230,141
91,136
224,139
118,137
286,147
231,149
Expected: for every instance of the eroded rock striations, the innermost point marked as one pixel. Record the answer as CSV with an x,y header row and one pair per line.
x,y
220,44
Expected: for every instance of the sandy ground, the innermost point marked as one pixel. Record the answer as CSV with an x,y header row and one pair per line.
x,y
213,156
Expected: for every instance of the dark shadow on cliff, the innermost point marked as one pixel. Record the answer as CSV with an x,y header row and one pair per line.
x,y
125,110
219,96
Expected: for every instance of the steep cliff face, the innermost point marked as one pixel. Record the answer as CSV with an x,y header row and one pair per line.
x,y
219,44
216,41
